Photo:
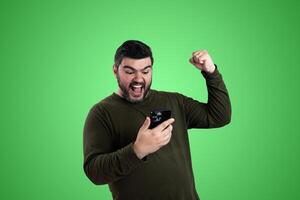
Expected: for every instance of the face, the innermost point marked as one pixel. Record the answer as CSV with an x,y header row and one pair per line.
x,y
134,78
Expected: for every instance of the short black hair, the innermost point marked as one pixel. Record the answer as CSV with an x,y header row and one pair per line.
x,y
133,49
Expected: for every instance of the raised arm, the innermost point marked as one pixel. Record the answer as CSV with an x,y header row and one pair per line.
x,y
217,111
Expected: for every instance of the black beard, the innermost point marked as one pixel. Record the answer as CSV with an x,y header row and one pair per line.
x,y
125,91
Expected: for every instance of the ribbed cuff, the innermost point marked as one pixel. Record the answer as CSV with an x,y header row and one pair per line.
x,y
131,158
213,75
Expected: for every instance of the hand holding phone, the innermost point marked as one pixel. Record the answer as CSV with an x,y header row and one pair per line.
x,y
150,139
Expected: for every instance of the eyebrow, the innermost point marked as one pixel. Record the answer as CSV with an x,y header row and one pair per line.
x,y
131,68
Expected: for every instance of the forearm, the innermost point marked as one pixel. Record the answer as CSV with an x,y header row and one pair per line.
x,y
102,162
218,105
109,167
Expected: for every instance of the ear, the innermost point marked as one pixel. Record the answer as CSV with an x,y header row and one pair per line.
x,y
115,70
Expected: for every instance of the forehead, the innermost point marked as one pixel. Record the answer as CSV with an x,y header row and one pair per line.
x,y
137,64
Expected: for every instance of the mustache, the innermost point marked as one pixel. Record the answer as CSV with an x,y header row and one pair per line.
x,y
137,83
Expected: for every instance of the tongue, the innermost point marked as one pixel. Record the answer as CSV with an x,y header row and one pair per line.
x,y
137,91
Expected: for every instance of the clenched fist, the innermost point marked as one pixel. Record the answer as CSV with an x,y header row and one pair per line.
x,y
151,140
202,61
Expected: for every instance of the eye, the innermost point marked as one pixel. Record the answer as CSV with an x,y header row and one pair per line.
x,y
128,72
145,72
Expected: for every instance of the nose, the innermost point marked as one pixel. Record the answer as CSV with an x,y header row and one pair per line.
x,y
138,77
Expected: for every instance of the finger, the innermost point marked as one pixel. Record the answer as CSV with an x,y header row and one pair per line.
x,y
167,130
198,60
200,53
165,124
202,58
166,140
194,53
195,63
197,52
192,60
146,124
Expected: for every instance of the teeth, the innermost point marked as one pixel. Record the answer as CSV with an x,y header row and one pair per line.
x,y
137,86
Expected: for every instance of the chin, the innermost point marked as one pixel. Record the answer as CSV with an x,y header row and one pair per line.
x,y
136,100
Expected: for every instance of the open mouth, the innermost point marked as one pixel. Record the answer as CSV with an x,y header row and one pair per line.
x,y
137,89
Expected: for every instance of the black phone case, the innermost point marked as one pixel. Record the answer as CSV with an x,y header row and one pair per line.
x,y
159,116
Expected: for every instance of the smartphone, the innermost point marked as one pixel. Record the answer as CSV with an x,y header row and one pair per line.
x,y
159,116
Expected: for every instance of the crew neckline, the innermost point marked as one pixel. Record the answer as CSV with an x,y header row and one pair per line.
x,y
146,99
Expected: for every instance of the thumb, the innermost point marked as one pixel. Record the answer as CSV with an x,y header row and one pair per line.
x,y
146,123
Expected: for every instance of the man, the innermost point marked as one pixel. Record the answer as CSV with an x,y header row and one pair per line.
x,y
121,150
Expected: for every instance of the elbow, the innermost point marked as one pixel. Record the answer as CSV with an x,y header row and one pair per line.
x,y
96,181
220,124
225,122
221,121
226,119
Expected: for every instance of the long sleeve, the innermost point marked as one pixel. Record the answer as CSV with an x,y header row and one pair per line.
x,y
101,163
216,112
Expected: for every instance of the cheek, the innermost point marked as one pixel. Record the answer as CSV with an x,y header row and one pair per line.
x,y
125,79
148,78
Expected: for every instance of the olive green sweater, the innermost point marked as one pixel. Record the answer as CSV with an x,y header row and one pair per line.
x,y
111,128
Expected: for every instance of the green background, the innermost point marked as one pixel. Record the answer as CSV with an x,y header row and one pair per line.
x,y
56,62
